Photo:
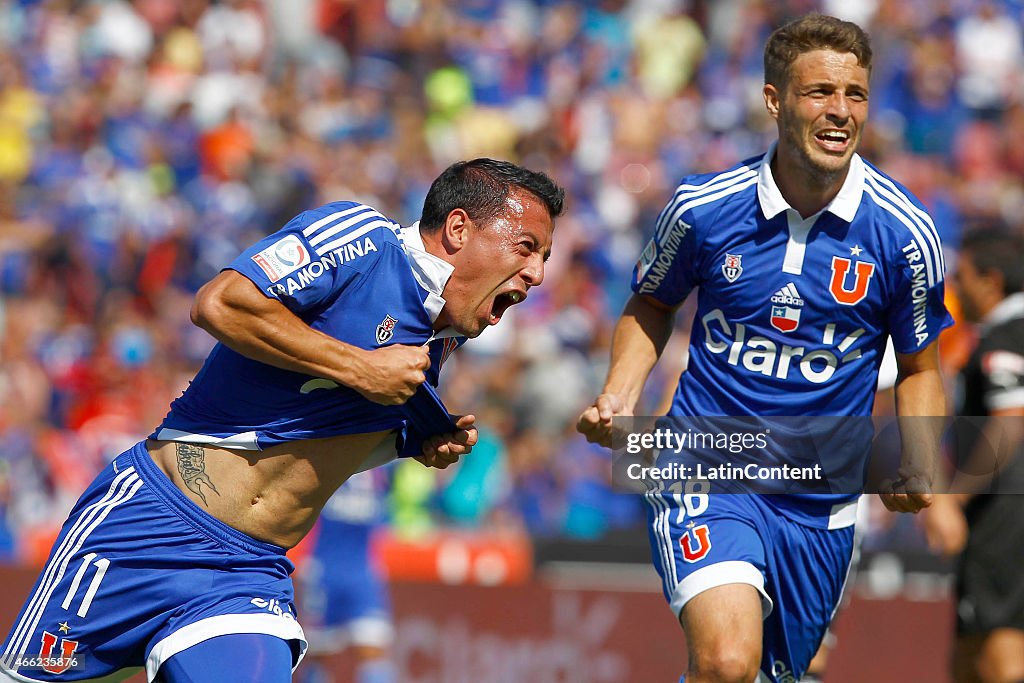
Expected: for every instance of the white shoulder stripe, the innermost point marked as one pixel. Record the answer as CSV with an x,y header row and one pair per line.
x,y
920,217
929,260
353,235
923,215
336,216
923,218
924,233
671,213
719,178
342,226
674,212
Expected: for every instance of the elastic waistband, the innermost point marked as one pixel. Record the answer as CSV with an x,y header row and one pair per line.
x,y
138,457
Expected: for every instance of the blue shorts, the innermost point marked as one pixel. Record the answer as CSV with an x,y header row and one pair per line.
x,y
343,598
140,573
699,542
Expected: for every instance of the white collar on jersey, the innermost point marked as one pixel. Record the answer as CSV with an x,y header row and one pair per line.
x,y
432,273
1009,308
844,205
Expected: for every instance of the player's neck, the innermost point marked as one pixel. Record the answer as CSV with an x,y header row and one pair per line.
x,y
805,189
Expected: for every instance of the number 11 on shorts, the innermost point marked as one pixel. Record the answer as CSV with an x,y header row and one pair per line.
x,y
101,569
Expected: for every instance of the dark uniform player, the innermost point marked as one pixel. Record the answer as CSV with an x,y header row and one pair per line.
x,y
985,517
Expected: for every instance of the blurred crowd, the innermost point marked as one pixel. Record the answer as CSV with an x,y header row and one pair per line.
x,y
144,143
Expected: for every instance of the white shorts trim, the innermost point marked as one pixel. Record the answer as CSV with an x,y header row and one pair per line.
x,y
222,625
843,515
375,631
720,574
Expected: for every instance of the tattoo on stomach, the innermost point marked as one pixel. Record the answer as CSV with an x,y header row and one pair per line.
x,y
192,468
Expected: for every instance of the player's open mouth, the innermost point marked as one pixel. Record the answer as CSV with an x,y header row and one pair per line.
x,y
503,302
833,140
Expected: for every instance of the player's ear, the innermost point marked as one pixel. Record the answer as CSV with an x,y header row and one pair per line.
x,y
455,230
771,100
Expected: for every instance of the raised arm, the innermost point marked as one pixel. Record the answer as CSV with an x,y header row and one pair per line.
x,y
640,336
237,314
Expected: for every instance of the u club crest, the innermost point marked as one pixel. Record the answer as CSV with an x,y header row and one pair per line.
x,y
733,267
386,329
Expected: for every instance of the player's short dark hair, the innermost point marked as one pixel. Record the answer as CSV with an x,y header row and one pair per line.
x,y
992,249
809,33
480,187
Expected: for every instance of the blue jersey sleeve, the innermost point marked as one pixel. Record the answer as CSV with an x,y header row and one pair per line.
x,y
667,267
917,311
313,258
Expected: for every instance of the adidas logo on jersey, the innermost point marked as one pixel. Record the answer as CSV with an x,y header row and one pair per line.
x,y
788,295
786,305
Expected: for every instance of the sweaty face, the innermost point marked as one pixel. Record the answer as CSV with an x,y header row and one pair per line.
x,y
821,110
497,264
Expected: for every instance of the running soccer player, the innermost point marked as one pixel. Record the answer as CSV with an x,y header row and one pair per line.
x,y
174,559
343,596
806,260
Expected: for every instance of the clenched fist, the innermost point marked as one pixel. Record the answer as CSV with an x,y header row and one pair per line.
x,y
596,421
392,374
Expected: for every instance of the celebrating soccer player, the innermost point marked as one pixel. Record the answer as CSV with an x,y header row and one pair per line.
x,y
806,260
174,558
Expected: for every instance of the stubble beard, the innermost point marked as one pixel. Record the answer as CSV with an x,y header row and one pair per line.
x,y
824,174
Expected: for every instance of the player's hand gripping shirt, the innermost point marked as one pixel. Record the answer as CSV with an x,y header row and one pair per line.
x,y
349,272
793,314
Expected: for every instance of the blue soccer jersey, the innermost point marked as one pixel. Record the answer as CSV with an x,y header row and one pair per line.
x,y
349,272
792,313
792,319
